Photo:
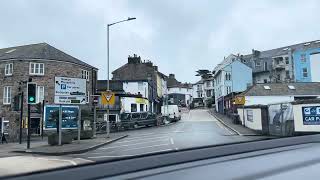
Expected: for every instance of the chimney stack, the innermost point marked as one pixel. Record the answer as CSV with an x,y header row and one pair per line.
x,y
171,76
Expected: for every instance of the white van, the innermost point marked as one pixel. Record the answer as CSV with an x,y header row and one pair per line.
x,y
172,112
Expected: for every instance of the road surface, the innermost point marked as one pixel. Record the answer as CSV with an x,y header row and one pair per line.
x,y
196,128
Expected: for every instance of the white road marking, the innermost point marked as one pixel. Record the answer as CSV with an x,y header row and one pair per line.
x,y
145,153
223,127
139,139
171,140
125,145
144,147
62,160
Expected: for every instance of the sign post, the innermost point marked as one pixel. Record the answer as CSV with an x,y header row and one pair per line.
x,y
108,98
79,124
70,91
60,124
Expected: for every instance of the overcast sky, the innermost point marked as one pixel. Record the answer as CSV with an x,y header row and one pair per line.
x,y
180,36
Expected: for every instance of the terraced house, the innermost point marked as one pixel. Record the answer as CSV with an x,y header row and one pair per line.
x,y
41,62
293,63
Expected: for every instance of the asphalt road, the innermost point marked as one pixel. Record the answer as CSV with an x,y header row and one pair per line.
x,y
196,128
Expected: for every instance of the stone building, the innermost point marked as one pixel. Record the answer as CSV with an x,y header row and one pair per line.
x,y
137,70
42,63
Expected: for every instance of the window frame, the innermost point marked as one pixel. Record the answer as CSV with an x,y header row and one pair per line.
x,y
35,70
250,115
85,74
7,95
135,107
7,68
38,100
141,109
88,97
303,58
305,73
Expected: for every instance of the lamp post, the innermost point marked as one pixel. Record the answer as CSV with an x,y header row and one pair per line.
x,y
108,63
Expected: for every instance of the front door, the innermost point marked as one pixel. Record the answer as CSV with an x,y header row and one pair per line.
x,y
35,126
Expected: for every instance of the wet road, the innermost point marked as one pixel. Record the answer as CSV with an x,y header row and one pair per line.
x,y
196,128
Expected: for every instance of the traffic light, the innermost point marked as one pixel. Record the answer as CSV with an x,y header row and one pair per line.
x,y
32,91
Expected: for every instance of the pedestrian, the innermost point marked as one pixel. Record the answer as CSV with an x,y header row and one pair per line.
x,y
3,138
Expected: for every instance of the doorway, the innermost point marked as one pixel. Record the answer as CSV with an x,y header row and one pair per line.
x,y
35,126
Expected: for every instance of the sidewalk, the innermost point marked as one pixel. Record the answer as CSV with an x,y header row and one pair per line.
x,y
237,128
42,147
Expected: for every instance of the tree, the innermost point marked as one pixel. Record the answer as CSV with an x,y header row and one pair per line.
x,y
204,73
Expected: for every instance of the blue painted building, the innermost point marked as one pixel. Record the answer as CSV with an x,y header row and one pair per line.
x,y
305,65
231,76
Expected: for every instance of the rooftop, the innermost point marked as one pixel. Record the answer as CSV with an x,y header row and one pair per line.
x,y
41,51
283,89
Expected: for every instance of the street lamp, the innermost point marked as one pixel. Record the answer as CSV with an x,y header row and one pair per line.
x,y
108,65
129,19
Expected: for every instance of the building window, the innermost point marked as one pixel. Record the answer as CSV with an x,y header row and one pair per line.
x,y
208,83
85,74
133,107
278,77
209,93
8,69
88,97
287,74
265,66
146,107
265,81
304,72
36,69
141,107
140,86
287,60
258,63
228,89
250,115
7,95
40,94
228,76
303,58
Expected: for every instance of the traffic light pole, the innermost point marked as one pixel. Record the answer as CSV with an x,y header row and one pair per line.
x,y
29,128
21,117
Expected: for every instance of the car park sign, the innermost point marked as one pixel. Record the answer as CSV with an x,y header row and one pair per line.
x,y
70,90
311,115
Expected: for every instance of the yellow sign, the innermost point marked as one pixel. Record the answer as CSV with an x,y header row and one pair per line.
x,y
141,101
240,100
108,98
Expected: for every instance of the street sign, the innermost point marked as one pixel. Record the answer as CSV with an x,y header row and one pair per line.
x,y
70,90
311,115
108,98
240,100
69,117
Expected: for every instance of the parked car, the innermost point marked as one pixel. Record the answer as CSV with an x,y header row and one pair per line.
x,y
136,119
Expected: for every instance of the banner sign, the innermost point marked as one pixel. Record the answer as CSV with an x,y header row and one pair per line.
x,y
69,117
311,115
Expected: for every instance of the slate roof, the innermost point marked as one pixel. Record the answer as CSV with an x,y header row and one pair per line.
x,y
284,50
41,51
282,89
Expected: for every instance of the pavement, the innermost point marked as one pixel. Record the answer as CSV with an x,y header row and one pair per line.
x,y
195,129
237,128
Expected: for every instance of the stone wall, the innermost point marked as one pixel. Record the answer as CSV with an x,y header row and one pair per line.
x,y
21,73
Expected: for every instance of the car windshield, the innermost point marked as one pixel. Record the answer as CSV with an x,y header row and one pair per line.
x,y
91,81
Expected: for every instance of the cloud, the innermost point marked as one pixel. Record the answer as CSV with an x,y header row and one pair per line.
x,y
179,36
